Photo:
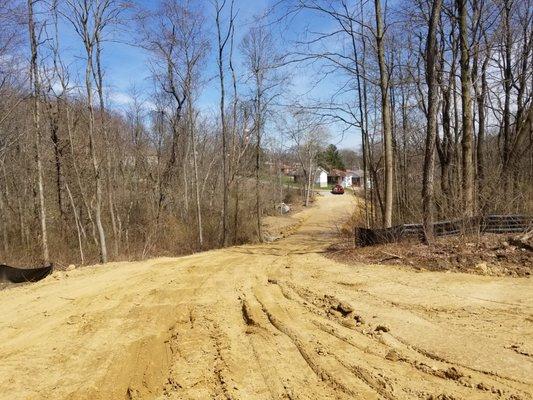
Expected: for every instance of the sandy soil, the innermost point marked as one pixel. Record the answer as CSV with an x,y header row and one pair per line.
x,y
273,321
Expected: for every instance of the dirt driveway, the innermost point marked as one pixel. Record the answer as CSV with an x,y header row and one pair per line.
x,y
273,321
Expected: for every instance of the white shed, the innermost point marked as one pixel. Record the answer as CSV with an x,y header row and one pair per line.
x,y
321,177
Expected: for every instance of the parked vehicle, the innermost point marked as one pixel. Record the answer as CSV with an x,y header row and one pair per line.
x,y
337,189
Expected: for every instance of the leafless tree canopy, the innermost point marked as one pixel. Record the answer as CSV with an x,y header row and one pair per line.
x,y
457,78
440,93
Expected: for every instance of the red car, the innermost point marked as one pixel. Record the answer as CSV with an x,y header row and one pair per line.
x,y
337,189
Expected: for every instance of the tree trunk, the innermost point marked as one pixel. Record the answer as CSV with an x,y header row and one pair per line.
x,y
77,222
74,161
362,124
258,162
3,215
234,166
308,181
54,135
431,129
195,167
507,86
385,117
481,132
466,99
104,133
94,157
237,210
36,87
220,60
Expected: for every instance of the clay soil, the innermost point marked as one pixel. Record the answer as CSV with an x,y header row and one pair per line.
x,y
268,321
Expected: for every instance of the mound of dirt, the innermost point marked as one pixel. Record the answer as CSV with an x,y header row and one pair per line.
x,y
489,254
277,226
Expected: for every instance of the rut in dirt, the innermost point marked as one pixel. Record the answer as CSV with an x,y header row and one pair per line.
x,y
268,321
282,340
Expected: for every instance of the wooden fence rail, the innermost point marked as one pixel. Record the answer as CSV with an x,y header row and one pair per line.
x,y
485,224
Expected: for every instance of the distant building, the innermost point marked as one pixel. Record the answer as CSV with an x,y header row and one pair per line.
x,y
321,177
355,178
348,178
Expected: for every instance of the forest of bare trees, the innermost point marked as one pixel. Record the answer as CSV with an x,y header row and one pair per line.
x,y
440,93
82,182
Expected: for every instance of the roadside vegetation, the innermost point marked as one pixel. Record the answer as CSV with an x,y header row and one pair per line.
x,y
439,95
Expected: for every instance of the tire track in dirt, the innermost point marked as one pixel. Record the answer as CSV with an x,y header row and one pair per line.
x,y
266,322
284,374
460,327
325,370
326,307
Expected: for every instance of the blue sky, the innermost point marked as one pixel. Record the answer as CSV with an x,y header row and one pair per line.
x,y
127,66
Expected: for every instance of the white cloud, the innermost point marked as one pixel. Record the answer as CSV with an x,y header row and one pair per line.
x,y
120,99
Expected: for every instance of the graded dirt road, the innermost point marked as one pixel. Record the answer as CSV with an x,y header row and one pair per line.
x,y
272,321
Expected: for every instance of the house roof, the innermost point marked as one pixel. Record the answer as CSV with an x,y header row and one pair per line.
x,y
352,173
299,172
337,172
357,173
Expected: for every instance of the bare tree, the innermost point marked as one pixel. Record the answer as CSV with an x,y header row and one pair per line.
x,y
89,18
36,112
162,188
308,139
174,35
385,115
223,39
163,34
466,98
431,129
261,63
194,50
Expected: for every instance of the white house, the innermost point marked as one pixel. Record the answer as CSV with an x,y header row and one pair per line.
x,y
324,179
321,177
348,178
353,179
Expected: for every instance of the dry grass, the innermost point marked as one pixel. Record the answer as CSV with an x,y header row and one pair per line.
x,y
488,254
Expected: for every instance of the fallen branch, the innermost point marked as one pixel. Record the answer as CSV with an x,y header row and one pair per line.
x,y
390,256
